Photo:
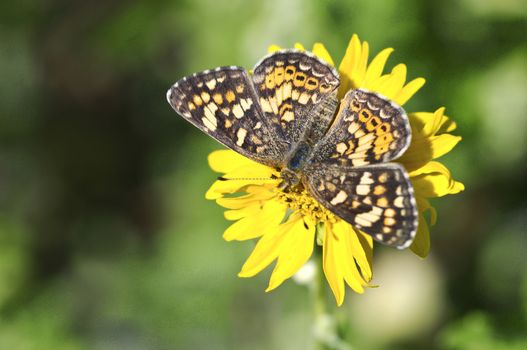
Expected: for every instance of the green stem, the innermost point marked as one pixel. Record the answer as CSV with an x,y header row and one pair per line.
x,y
320,306
326,335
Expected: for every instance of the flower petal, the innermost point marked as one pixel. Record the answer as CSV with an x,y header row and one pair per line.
x,y
268,248
237,214
421,243
422,150
409,90
434,180
246,200
295,252
320,51
219,188
300,47
226,160
424,205
350,252
348,64
257,222
241,177
360,71
362,250
343,250
376,66
427,124
331,265
392,86
273,48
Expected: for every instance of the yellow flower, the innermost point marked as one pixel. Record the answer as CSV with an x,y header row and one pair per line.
x,y
286,223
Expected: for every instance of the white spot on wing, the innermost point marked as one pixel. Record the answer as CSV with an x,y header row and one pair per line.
x,y
246,103
238,111
241,136
339,198
211,84
363,190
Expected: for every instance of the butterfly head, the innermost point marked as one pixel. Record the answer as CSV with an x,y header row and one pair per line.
x,y
290,180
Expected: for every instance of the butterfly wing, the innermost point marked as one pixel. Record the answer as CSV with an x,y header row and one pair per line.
x,y
377,199
223,104
368,129
298,94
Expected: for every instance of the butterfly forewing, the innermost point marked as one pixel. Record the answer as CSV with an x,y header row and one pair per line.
x,y
297,93
285,111
377,199
368,129
223,104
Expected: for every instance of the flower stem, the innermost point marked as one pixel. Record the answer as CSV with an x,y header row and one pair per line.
x,y
320,307
326,335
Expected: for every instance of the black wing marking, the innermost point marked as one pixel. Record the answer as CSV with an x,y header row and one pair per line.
x,y
223,104
368,129
297,92
376,199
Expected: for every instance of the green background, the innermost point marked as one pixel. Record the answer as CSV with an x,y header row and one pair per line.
x,y
107,242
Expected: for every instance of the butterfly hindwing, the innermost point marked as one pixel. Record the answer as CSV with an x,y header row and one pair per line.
x,y
368,129
376,199
297,92
223,104
282,117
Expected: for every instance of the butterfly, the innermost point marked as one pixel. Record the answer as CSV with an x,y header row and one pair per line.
x,y
285,115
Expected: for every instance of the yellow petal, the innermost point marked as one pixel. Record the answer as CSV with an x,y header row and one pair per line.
x,y
343,250
348,64
360,71
295,252
429,124
443,144
237,214
237,179
257,222
409,90
376,66
448,125
246,200
421,243
224,161
330,258
435,121
267,248
320,51
300,47
273,48
349,251
367,244
423,205
457,187
376,84
434,180
219,188
362,250
422,150
393,85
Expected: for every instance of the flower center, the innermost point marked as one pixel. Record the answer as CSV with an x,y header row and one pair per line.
x,y
297,198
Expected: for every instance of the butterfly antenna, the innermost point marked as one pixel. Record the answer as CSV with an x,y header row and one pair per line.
x,y
271,178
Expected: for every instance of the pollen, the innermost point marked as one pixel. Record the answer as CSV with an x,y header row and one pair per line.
x,y
301,201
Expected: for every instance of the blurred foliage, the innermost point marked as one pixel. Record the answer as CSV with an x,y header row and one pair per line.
x,y
474,332
106,241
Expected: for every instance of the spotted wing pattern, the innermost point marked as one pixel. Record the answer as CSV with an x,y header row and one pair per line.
x,y
223,104
368,129
297,92
376,199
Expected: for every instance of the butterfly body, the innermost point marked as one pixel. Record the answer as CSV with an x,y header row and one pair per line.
x,y
285,116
